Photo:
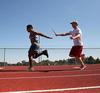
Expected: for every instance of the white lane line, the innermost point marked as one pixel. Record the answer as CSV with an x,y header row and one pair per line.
x,y
62,76
1,68
47,70
55,90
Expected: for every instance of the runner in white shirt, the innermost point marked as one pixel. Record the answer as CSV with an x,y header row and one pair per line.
x,y
77,48
77,41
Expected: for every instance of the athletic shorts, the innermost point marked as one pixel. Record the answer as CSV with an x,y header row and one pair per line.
x,y
76,51
33,48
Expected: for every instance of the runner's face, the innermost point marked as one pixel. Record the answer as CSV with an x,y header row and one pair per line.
x,y
29,29
74,25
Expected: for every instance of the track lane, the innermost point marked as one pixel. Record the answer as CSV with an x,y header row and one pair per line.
x,y
51,80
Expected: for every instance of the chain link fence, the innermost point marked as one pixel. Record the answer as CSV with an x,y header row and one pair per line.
x,y
17,55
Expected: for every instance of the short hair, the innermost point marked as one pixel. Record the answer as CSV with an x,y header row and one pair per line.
x,y
29,26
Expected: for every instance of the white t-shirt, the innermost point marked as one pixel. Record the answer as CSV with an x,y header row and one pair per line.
x,y
77,41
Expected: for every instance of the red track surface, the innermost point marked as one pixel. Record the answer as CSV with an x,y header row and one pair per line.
x,y
57,77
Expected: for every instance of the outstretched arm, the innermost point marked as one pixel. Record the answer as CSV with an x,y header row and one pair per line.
x,y
45,36
40,34
65,34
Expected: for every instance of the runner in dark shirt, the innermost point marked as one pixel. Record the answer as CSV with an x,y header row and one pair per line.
x,y
34,48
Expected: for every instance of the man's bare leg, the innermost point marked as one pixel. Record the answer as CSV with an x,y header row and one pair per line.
x,y
30,63
45,52
83,66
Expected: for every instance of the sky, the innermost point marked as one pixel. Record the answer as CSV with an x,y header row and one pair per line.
x,y
47,14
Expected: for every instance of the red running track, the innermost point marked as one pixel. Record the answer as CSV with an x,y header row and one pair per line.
x,y
50,79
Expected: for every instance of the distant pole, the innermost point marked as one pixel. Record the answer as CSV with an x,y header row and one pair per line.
x,y
4,56
39,39
39,50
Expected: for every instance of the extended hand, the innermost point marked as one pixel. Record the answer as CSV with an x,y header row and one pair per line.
x,y
71,37
50,38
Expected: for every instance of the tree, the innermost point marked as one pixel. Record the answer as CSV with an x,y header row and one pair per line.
x,y
44,63
19,64
97,61
71,61
90,60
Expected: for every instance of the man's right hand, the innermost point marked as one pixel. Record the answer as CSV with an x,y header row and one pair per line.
x,y
50,38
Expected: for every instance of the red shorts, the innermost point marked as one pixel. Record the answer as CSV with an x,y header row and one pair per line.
x,y
76,51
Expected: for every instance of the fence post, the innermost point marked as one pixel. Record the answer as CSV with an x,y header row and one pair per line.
x,y
39,59
4,56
